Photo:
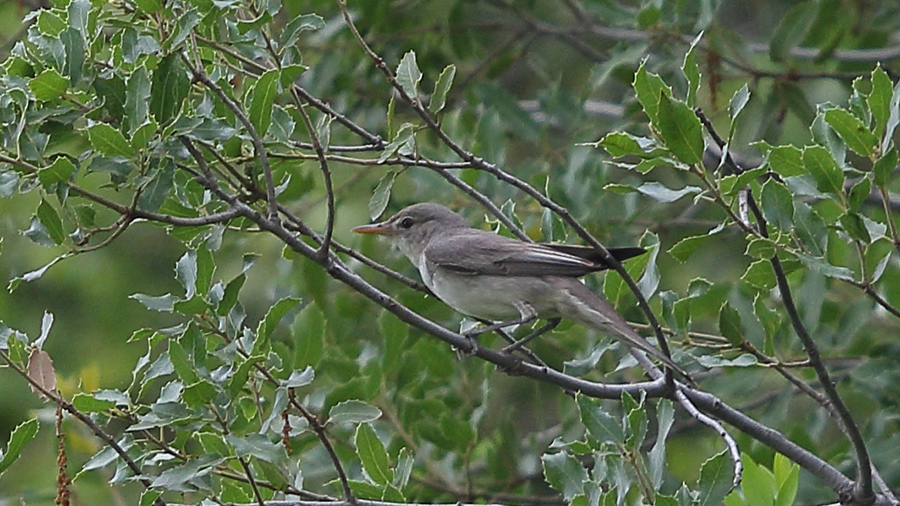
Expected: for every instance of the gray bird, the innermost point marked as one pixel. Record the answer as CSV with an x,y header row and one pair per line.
x,y
505,280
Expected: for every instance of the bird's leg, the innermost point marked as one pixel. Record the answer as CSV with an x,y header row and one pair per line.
x,y
527,313
550,325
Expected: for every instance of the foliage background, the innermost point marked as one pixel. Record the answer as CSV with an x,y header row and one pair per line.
x,y
532,83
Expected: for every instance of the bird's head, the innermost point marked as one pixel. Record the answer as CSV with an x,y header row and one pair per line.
x,y
412,228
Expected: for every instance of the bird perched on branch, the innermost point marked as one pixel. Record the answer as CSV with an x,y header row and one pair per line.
x,y
505,280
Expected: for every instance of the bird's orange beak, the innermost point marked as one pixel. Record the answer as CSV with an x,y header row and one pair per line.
x,y
376,229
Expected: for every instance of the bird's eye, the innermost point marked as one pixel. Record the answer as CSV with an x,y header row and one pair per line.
x,y
406,222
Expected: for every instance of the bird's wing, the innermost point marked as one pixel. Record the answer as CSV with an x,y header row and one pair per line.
x,y
480,252
588,253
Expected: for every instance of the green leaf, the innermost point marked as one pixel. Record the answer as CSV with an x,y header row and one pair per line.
x,y
353,411
108,141
264,92
137,99
149,6
737,103
600,424
691,71
760,275
49,23
409,75
820,265
680,129
372,455
170,86
73,42
716,479
87,403
853,224
155,191
811,229
181,477
665,415
855,134
257,445
683,249
885,166
858,194
761,248
879,99
777,204
660,193
730,324
786,161
273,317
787,478
382,195
164,303
649,87
51,222
565,474
20,436
824,169
199,393
402,142
48,85
792,29
441,88
309,336
758,483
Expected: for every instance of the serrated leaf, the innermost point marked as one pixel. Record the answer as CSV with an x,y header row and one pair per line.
x,y
170,86
51,222
879,99
820,265
87,403
858,194
565,474
852,130
157,189
263,98
663,194
441,88
274,315
137,99
824,169
108,141
737,103
730,324
58,172
41,372
372,455
48,85
760,275
792,29
165,303
680,129
853,224
600,424
382,195
777,204
353,411
20,436
885,166
309,336
716,479
409,75
691,71
649,87
683,249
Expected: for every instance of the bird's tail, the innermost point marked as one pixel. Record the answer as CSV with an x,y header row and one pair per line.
x,y
593,311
